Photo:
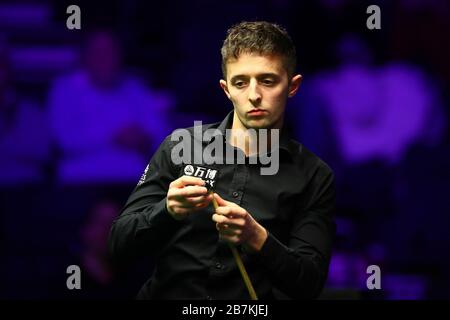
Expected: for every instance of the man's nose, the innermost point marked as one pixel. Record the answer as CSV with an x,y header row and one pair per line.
x,y
254,94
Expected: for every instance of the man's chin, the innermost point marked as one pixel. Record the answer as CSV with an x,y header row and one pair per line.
x,y
258,124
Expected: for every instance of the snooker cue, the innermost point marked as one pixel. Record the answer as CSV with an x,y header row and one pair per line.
x,y
240,264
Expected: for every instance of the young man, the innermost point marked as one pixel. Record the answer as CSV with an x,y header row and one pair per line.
x,y
280,222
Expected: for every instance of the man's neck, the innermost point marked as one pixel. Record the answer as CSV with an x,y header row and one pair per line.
x,y
248,140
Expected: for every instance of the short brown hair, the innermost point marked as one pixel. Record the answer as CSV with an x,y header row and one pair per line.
x,y
260,37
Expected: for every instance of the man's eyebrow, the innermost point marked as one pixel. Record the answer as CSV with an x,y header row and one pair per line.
x,y
268,75
238,77
259,76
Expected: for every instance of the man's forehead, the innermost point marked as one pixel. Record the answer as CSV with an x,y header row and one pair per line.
x,y
254,64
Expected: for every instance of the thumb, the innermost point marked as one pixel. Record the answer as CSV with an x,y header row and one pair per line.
x,y
221,202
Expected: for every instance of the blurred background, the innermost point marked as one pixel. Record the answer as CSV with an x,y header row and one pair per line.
x,y
82,111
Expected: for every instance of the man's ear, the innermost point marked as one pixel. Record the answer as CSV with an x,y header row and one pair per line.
x,y
224,86
294,85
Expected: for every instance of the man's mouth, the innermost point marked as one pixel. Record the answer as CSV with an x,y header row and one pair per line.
x,y
257,112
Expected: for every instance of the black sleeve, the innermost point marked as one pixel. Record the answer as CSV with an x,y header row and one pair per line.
x,y
144,225
300,268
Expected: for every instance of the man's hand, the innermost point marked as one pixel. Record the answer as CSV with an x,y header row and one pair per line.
x,y
186,195
237,226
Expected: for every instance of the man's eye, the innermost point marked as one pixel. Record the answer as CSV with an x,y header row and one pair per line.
x,y
239,84
268,82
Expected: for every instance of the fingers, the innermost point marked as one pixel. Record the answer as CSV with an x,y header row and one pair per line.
x,y
229,233
186,180
199,199
232,212
231,222
221,202
190,202
231,216
185,195
188,192
181,208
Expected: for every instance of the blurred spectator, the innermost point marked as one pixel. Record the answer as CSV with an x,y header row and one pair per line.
x,y
103,119
94,235
369,122
376,113
98,274
363,119
24,135
100,278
